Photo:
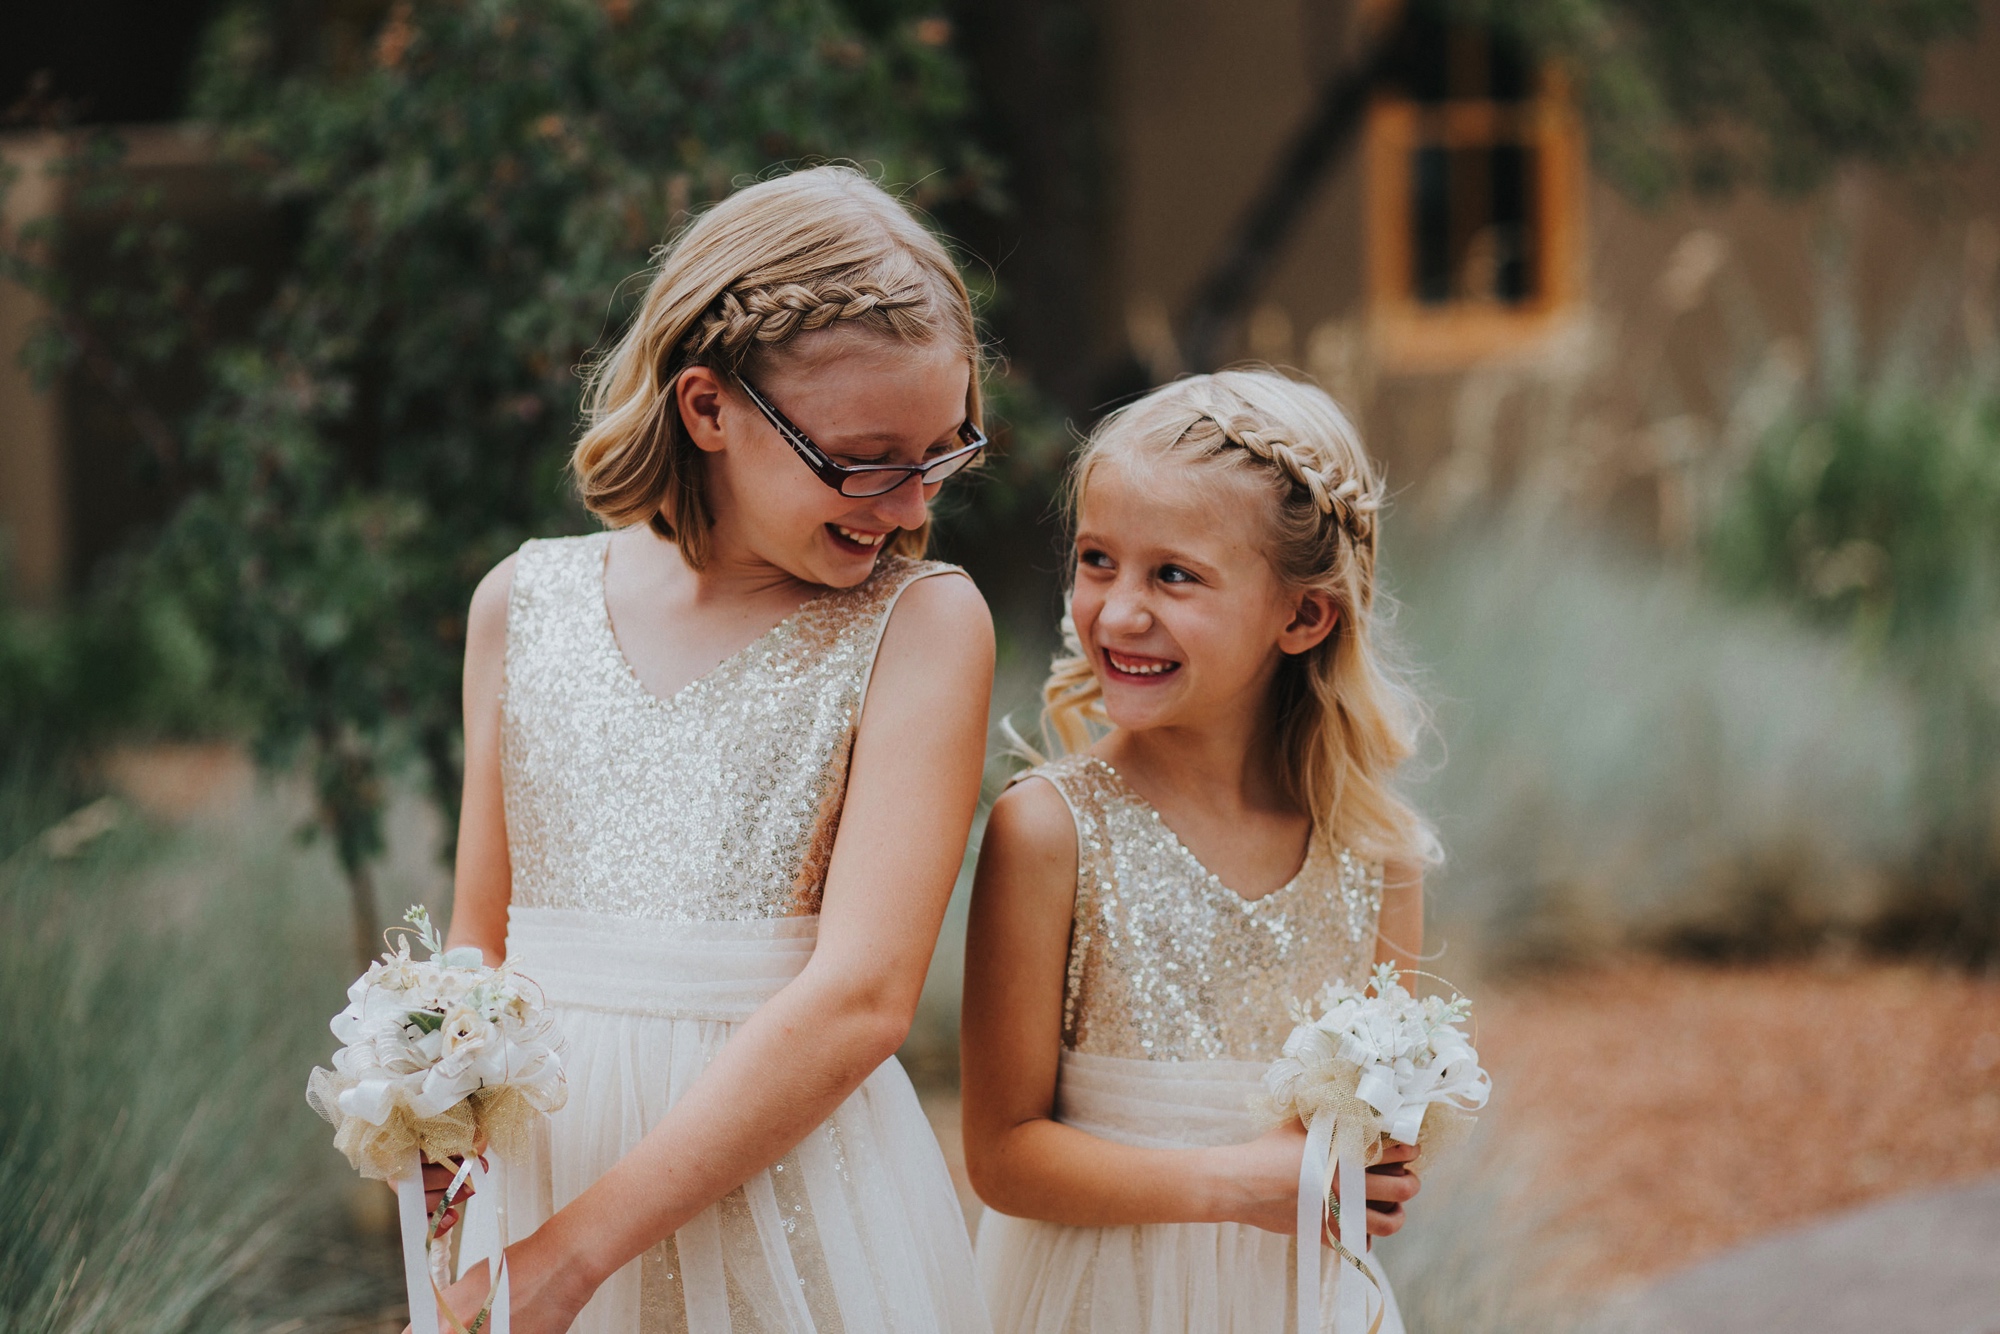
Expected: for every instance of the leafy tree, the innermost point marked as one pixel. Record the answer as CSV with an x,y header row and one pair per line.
x,y
467,185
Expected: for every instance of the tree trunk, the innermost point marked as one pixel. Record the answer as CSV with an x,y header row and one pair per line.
x,y
361,897
1035,68
1259,240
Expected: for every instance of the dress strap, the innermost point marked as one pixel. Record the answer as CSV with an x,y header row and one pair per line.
x,y
1082,782
884,591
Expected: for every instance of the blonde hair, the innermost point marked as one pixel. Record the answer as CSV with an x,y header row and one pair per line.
x,y
786,256
1346,721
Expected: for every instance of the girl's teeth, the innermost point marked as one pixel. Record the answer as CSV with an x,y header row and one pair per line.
x,y
1132,669
862,539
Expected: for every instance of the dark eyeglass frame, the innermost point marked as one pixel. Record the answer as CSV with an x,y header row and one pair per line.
x,y
842,476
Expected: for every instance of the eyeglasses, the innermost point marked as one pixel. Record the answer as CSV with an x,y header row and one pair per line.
x,y
868,479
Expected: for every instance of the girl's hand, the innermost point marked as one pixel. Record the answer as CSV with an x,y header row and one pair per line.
x,y
1261,1181
437,1179
544,1297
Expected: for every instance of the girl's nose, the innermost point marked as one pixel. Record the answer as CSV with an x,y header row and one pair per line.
x,y
1125,611
905,507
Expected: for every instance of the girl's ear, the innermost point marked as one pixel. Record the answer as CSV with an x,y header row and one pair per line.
x,y
1312,621
698,397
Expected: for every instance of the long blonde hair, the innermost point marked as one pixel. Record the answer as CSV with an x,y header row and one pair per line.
x,y
788,255
1346,721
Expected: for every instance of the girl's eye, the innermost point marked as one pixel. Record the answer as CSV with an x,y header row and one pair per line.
x,y
1094,558
1174,574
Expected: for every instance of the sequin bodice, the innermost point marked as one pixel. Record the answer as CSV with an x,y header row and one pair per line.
x,y
718,804
1166,962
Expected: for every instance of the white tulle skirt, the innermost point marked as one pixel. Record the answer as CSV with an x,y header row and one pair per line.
x,y
856,1230
1165,1278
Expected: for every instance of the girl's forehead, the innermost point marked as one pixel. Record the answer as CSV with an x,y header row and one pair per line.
x,y
1171,503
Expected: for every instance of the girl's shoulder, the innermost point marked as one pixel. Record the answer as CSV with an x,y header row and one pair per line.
x,y
944,618
1064,773
1075,790
540,557
894,575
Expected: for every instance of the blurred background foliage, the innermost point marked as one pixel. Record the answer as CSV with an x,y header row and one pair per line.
x,y
1876,513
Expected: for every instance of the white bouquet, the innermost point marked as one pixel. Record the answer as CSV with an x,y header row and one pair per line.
x,y
1376,1065
442,1058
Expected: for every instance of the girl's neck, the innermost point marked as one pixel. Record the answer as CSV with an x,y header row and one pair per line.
x,y
732,576
1226,763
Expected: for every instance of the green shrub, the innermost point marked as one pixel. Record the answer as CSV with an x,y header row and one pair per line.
x,y
1880,515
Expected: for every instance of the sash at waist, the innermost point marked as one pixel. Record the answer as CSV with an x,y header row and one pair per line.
x,y
1159,1104
665,970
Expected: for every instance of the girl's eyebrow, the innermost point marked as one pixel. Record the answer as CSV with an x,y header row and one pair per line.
x,y
1156,555
880,443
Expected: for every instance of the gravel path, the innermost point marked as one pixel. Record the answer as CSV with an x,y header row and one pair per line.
x,y
1929,1261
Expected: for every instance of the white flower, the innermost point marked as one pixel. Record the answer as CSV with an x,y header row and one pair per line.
x,y
1405,1053
467,1036
425,1035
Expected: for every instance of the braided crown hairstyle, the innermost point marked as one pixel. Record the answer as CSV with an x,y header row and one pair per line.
x,y
810,250
1346,722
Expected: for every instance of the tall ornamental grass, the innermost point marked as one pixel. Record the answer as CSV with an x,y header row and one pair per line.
x,y
161,999
1624,753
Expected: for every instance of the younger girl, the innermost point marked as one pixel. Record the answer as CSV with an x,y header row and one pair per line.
x,y
721,763
1147,905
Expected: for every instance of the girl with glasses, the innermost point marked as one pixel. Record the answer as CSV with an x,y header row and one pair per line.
x,y
721,762
1220,838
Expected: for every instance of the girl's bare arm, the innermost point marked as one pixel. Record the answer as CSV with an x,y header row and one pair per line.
x,y
913,783
1023,1162
483,878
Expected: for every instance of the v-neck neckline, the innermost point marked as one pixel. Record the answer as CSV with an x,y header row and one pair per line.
x,y
1209,877
631,672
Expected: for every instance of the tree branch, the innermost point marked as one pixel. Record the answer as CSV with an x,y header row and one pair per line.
x,y
1274,213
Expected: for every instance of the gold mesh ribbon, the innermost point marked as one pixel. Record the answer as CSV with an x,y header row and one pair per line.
x,y
499,1117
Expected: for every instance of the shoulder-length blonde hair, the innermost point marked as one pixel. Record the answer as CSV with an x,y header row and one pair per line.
x,y
1346,720
780,258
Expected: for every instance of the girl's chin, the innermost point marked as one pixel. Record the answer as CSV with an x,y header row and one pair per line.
x,y
1139,706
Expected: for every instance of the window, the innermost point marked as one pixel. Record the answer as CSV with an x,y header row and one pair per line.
x,y
1474,210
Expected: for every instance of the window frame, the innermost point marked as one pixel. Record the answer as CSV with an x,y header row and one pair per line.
x,y
1415,336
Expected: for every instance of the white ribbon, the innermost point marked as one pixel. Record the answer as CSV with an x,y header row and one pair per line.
x,y
1317,1166
1315,1178
416,1261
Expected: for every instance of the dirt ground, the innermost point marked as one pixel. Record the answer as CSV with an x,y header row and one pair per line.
x,y
1683,1109
1676,1110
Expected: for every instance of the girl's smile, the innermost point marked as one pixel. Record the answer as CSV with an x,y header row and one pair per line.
x,y
859,540
1137,668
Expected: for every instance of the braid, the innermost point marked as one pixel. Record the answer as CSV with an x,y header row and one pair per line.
x,y
740,319
1346,498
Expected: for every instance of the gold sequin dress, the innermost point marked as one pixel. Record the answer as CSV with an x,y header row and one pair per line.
x,y
668,861
1176,999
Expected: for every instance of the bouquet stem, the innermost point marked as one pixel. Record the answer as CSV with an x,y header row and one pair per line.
x,y
426,1296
